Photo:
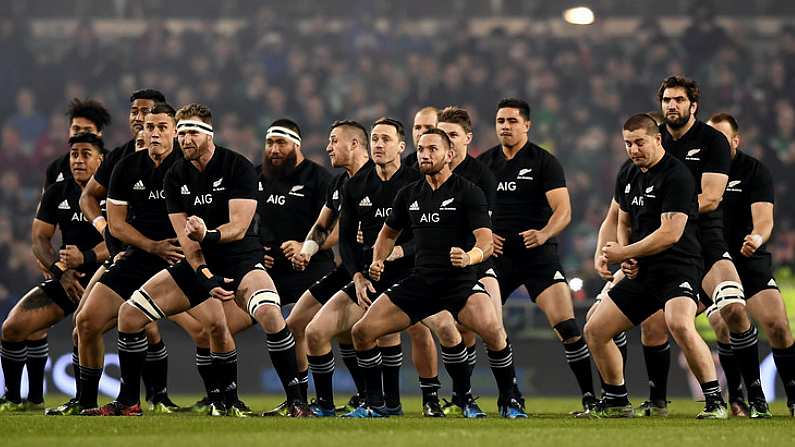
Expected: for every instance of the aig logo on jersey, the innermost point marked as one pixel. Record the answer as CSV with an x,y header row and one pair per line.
x,y
383,212
276,199
506,186
157,195
429,218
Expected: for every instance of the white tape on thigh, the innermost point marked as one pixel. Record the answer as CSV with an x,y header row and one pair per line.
x,y
728,292
143,302
261,298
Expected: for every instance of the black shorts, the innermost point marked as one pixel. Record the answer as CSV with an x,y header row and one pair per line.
x,y
713,247
330,284
756,273
641,297
536,277
130,272
486,268
291,284
389,278
420,297
234,268
55,291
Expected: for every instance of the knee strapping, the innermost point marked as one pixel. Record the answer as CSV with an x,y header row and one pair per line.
x,y
262,298
568,329
728,292
144,303
711,310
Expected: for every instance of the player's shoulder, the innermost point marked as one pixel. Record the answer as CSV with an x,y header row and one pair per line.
x,y
708,134
232,157
314,169
489,155
59,189
676,170
532,150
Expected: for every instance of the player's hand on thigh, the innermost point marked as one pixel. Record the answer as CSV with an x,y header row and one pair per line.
x,y
533,238
300,261
70,281
630,268
71,256
167,249
363,285
458,257
267,261
291,248
499,241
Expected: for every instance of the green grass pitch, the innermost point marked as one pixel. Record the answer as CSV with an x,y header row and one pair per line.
x,y
548,425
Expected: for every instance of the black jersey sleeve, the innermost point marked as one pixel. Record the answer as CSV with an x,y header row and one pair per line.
x,y
171,188
761,188
477,211
398,219
488,183
718,158
51,174
243,181
350,249
679,192
119,188
552,172
48,208
619,194
324,181
104,172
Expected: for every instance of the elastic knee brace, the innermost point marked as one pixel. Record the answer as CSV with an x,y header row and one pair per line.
x,y
144,303
568,329
262,298
728,292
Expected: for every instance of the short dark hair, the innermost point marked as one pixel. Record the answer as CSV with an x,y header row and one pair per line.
x,y
89,109
148,93
690,86
401,132
642,121
163,107
441,133
725,118
357,127
515,103
288,123
656,115
198,110
90,138
455,115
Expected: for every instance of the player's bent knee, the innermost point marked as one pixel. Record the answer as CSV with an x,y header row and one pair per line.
x,y
360,333
778,331
262,299
13,330
728,293
568,330
315,335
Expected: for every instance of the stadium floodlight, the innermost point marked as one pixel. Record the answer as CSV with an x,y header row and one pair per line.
x,y
575,284
580,15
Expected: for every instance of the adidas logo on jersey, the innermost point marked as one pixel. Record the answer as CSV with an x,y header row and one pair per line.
x,y
444,206
478,288
365,201
138,186
414,206
294,191
523,174
336,195
259,186
64,205
184,190
558,275
491,272
686,285
772,283
59,178
726,255
691,154
627,188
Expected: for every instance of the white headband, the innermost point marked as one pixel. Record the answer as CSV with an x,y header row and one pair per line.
x,y
280,131
199,126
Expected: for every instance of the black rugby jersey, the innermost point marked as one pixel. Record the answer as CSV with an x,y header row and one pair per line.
x,y
410,160
103,174
60,207
521,201
367,201
137,183
57,171
206,194
666,187
440,220
477,173
702,149
749,182
288,206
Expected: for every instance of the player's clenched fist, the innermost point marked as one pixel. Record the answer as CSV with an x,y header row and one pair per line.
x,y
376,268
458,257
195,228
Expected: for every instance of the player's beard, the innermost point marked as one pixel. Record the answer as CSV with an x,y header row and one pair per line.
x,y
285,168
433,169
677,123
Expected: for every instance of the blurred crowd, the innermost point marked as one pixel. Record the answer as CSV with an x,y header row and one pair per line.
x,y
580,89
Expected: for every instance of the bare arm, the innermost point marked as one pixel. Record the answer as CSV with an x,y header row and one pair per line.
x,y
608,230
190,248
712,187
672,226
483,248
624,228
561,211
762,216
122,230
325,228
42,234
90,198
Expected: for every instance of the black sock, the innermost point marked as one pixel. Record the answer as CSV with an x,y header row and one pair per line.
x,y
616,395
456,362
734,381
785,363
472,358
658,363
281,347
38,350
429,386
348,355
303,384
391,361
89,386
13,355
370,365
501,363
322,367
132,355
76,370
204,364
579,359
746,351
155,372
621,341
712,393
225,364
